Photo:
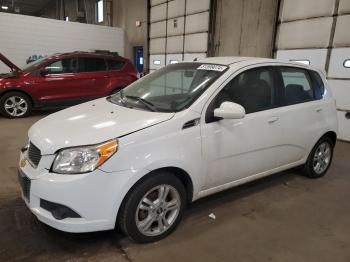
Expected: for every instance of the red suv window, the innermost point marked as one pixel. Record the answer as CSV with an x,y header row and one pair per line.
x,y
91,64
63,66
115,64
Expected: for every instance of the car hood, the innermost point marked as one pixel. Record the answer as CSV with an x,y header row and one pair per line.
x,y
90,123
7,62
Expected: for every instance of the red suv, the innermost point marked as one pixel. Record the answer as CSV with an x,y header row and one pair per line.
x,y
62,80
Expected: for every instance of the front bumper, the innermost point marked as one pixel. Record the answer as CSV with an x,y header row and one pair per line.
x,y
94,196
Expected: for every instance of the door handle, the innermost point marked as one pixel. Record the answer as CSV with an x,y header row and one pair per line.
x,y
319,109
273,119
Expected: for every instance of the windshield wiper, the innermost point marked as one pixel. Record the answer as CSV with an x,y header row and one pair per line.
x,y
146,103
121,94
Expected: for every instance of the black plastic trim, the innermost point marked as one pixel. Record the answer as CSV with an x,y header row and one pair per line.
x,y
191,123
58,211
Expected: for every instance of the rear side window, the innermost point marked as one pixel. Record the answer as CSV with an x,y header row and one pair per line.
x,y
297,86
92,64
318,84
115,64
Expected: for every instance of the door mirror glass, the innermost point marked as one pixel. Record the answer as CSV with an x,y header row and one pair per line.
x,y
44,72
230,110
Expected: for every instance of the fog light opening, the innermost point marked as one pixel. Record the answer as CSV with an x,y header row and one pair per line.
x,y
58,211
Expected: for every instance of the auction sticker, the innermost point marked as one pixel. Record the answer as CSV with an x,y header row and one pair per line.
x,y
212,67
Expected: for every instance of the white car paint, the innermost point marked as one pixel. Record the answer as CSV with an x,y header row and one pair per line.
x,y
90,123
216,156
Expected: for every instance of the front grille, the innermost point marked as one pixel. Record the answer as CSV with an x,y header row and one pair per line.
x,y
34,154
24,181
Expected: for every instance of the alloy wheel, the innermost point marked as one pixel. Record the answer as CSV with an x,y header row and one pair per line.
x,y
158,210
16,106
322,157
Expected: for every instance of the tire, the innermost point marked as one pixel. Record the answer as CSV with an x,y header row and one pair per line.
x,y
322,152
15,105
145,221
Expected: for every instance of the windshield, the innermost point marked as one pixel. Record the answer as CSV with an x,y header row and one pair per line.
x,y
171,88
34,63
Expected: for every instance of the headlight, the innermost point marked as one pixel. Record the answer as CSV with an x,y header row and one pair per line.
x,y
84,159
25,148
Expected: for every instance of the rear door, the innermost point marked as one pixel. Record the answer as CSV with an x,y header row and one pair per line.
x,y
120,76
93,76
303,114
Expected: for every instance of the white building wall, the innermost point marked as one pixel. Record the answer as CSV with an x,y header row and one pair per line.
x,y
22,36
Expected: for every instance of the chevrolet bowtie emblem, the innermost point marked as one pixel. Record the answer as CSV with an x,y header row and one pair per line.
x,y
22,163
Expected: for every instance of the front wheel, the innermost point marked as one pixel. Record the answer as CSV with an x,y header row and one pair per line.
x,y
153,208
320,158
15,105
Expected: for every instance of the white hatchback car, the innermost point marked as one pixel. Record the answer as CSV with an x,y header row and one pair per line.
x,y
133,160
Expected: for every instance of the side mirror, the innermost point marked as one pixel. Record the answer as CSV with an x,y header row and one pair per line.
x,y
230,110
44,72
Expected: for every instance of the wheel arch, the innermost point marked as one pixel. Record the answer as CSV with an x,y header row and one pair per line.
x,y
19,91
332,135
181,174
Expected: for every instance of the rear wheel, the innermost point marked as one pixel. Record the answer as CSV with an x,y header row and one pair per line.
x,y
15,105
153,208
320,158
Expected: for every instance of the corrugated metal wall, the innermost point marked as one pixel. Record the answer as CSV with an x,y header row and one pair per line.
x,y
22,36
244,28
178,31
317,32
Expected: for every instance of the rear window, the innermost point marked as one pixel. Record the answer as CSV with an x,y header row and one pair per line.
x,y
318,84
92,64
115,64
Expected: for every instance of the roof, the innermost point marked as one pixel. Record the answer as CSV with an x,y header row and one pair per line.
x,y
89,53
227,60
231,60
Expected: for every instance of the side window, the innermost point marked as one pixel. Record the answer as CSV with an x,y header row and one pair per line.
x,y
63,66
253,89
92,65
296,85
317,84
115,64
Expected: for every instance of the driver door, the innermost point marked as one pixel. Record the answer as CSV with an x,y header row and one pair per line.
x,y
238,148
59,85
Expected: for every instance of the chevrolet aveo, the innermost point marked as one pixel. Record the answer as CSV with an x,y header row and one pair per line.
x,y
133,160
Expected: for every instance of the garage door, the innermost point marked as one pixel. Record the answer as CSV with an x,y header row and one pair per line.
x,y
316,32
178,31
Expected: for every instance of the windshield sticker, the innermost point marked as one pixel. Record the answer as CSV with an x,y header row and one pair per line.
x,y
210,67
